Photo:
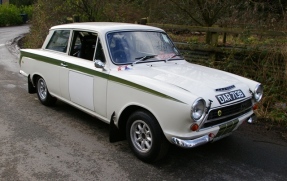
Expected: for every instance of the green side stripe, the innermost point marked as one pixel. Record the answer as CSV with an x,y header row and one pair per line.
x,y
96,73
39,58
58,63
88,71
142,88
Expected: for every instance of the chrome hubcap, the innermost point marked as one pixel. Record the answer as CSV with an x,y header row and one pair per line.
x,y
141,136
42,89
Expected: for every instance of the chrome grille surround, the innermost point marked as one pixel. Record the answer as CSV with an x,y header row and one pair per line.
x,y
228,112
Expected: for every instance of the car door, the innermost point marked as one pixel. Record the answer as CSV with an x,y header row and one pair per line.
x,y
80,81
56,50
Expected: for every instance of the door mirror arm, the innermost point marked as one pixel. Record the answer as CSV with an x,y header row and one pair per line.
x,y
99,64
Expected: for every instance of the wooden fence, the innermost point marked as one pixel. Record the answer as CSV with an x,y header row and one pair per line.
x,y
213,40
232,58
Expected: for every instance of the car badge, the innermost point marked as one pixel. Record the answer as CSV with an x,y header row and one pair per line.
x,y
225,88
219,113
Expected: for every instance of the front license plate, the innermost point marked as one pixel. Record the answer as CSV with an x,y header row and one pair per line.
x,y
226,128
230,96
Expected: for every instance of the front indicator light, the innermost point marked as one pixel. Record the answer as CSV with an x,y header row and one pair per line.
x,y
194,127
255,106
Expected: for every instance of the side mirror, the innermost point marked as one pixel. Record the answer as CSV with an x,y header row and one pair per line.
x,y
99,64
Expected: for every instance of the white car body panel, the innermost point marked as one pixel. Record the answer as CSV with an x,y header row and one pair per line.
x,y
81,88
64,83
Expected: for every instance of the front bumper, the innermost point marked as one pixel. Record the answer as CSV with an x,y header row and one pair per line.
x,y
196,142
191,143
225,130
23,73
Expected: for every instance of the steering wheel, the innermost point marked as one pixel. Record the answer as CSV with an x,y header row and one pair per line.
x,y
119,56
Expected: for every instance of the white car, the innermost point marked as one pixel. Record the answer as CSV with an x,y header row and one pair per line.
x,y
134,78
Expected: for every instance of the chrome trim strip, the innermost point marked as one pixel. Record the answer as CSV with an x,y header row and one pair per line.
x,y
202,122
23,73
252,119
191,143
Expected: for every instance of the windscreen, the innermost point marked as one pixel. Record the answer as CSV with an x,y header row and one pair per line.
x,y
128,47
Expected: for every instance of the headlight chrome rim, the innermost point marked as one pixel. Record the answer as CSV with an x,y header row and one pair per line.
x,y
198,109
258,92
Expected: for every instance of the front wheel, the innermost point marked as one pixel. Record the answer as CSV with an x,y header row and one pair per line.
x,y
145,137
43,93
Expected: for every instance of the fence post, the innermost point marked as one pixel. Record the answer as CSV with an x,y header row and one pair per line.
x,y
208,37
214,39
76,18
211,38
224,38
143,21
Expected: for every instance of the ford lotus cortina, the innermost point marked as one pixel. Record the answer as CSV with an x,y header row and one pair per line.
x,y
135,79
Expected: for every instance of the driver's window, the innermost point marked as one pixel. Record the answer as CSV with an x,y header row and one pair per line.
x,y
83,44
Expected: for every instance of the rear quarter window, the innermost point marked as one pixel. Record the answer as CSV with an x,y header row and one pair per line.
x,y
59,41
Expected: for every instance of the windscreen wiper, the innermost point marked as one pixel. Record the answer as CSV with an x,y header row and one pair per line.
x,y
171,57
139,59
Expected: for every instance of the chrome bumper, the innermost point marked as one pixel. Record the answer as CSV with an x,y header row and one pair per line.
x,y
252,119
206,138
23,73
191,143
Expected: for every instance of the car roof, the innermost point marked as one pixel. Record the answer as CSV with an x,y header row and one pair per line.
x,y
106,26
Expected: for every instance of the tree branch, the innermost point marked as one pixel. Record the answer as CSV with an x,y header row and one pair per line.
x,y
187,12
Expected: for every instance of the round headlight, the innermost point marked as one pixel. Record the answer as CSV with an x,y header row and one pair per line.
x,y
198,109
258,92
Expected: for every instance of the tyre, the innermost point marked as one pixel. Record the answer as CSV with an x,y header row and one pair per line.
x,y
145,137
43,93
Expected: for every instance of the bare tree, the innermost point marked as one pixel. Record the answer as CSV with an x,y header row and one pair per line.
x,y
204,13
89,10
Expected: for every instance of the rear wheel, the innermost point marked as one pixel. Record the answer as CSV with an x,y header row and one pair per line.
x,y
43,93
145,137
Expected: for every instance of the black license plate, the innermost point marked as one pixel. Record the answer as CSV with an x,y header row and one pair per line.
x,y
227,128
230,96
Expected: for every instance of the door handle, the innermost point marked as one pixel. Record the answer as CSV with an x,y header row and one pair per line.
x,y
63,64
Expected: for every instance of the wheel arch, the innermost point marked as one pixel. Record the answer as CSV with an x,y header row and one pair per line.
x,y
32,81
124,116
31,85
34,78
158,143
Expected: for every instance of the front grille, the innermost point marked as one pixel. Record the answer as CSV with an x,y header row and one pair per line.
x,y
225,111
221,115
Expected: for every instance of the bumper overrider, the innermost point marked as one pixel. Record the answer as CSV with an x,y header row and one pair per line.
x,y
225,130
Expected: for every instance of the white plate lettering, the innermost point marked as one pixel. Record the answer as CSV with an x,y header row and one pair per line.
x,y
230,96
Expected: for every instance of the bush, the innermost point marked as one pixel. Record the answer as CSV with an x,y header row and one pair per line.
x,y
267,65
9,15
45,15
27,10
